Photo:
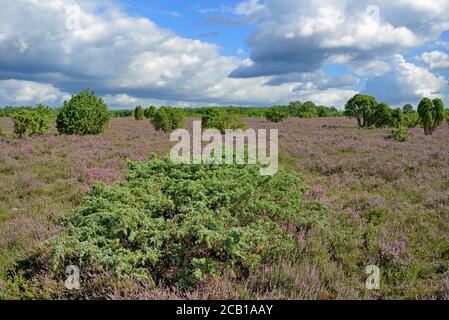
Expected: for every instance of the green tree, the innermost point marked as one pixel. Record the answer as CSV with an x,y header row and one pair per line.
x,y
361,108
150,112
431,114
380,116
397,118
408,108
439,113
168,119
308,110
276,114
221,119
139,114
83,114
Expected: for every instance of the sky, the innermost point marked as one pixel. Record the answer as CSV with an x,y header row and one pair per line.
x,y
238,52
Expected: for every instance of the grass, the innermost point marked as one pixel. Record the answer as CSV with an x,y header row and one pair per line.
x,y
388,201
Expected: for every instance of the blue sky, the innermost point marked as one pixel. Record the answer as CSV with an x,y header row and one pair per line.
x,y
195,20
239,52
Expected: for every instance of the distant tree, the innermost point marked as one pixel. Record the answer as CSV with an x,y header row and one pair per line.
x,y
168,119
276,114
408,108
361,108
380,116
150,112
439,113
308,110
218,118
294,107
83,114
139,114
431,114
397,118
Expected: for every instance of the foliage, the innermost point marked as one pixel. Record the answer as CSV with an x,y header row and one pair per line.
x,y
361,107
139,113
31,122
400,134
83,114
380,116
179,225
276,114
168,119
431,114
121,113
221,119
408,108
398,118
150,112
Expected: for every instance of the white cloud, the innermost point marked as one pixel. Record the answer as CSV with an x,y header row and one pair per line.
x,y
16,92
248,7
435,60
406,83
131,60
301,36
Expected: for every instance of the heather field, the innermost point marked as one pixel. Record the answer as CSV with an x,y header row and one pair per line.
x,y
387,205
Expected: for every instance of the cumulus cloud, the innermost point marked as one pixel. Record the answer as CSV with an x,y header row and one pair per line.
x,y
435,60
249,7
16,92
119,56
64,46
300,35
405,83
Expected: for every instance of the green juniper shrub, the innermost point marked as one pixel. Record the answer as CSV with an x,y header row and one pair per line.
x,y
83,114
431,114
380,116
276,114
218,118
139,113
150,112
168,119
400,134
31,122
179,225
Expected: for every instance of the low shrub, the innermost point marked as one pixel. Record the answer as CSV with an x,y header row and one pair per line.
x,y
83,114
168,119
216,118
139,113
276,114
400,134
179,225
31,122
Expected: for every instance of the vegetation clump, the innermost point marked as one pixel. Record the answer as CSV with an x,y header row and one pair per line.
x,y
400,134
139,113
221,119
31,122
178,225
431,114
276,114
83,114
168,119
150,112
